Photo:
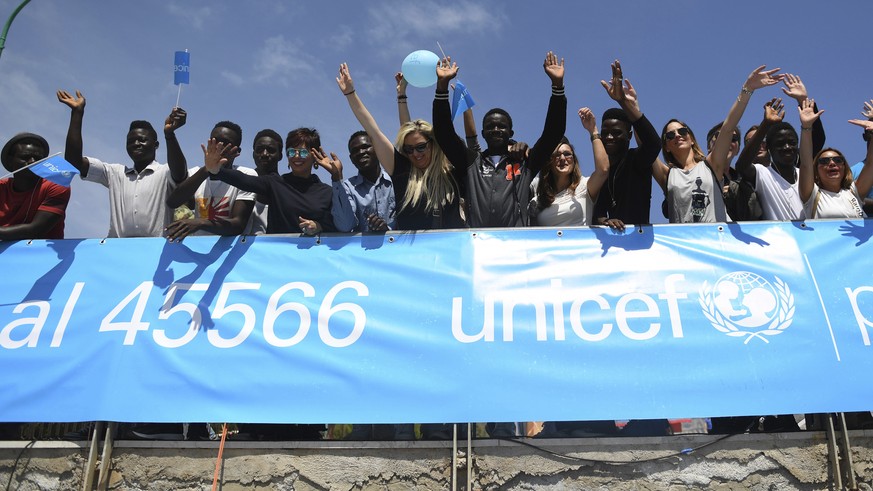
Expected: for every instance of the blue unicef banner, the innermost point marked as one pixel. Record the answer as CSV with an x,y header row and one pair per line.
x,y
496,325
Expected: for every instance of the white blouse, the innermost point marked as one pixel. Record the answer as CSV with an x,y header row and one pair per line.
x,y
568,209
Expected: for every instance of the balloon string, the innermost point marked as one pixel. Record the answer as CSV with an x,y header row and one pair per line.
x,y
441,49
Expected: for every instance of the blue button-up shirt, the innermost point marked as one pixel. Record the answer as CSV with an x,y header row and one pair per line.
x,y
355,198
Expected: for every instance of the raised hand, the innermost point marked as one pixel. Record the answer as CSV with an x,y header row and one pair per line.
x,y
762,78
867,112
331,164
774,111
589,121
309,227
446,69
344,80
615,87
76,103
401,84
554,69
216,153
177,119
794,87
863,123
807,113
630,94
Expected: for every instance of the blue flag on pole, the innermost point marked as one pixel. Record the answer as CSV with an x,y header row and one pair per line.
x,y
181,68
56,170
461,99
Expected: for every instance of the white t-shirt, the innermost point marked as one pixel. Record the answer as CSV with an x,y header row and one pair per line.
x,y
215,199
844,204
568,209
779,200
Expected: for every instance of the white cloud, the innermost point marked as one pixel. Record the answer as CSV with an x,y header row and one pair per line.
x,y
372,84
29,108
342,39
234,79
278,61
196,17
430,19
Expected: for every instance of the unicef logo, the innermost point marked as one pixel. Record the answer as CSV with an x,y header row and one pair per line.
x,y
744,304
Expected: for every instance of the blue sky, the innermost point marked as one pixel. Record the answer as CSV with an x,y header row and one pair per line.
x,y
271,64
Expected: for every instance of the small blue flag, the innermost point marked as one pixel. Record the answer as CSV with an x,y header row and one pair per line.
x,y
461,99
181,68
56,170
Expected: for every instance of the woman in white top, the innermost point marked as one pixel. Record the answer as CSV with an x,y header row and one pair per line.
x,y
826,185
563,196
693,189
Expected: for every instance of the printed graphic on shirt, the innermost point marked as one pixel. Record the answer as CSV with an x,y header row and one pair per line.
x,y
699,201
212,208
512,171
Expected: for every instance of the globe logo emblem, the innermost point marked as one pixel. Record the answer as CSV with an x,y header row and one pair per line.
x,y
745,304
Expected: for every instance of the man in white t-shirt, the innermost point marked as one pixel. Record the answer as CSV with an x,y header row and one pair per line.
x,y
776,185
218,207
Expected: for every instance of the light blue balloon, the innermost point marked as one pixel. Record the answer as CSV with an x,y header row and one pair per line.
x,y
419,68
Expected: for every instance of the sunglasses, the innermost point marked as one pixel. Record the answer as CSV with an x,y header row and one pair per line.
x,y
297,152
827,160
672,134
420,148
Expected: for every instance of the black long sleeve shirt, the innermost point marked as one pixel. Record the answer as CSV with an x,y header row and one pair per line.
x,y
290,197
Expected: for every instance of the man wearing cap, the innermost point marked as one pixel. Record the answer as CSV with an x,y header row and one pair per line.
x,y
30,206
138,195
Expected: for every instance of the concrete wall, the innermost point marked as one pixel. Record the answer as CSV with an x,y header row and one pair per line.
x,y
757,462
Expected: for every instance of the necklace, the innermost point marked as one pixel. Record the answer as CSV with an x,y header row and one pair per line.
x,y
611,182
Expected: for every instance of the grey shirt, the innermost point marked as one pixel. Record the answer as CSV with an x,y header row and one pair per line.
x,y
694,196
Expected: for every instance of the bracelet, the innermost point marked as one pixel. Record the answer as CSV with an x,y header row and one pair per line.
x,y
349,93
807,128
401,97
744,90
595,136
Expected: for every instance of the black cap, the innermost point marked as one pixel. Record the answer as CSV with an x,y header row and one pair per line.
x,y
6,154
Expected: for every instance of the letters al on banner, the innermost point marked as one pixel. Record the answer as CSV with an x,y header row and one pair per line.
x,y
498,325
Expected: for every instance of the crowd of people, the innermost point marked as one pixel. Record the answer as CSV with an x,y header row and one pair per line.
x,y
428,177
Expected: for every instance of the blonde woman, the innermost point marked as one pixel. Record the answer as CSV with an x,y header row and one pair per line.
x,y
826,186
424,182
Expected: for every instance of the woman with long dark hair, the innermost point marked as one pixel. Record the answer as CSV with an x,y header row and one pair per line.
x,y
563,196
